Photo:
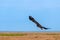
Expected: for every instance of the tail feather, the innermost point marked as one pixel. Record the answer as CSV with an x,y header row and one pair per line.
x,y
45,28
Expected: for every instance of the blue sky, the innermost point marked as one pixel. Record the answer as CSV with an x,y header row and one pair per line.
x,y
14,15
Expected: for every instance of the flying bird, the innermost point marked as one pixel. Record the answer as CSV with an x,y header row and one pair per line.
x,y
37,24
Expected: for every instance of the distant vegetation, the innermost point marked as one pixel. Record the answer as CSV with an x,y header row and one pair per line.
x,y
13,34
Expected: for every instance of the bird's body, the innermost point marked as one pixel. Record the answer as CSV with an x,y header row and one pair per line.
x,y
38,25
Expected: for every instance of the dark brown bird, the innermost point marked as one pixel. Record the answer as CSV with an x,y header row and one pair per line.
x,y
37,24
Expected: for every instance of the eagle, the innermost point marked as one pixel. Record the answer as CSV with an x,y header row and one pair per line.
x,y
37,24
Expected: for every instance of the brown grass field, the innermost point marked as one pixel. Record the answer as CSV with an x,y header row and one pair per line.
x,y
30,36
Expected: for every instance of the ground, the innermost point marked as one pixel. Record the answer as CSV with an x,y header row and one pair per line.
x,y
30,36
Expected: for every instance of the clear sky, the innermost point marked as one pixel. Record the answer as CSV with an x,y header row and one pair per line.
x,y
14,15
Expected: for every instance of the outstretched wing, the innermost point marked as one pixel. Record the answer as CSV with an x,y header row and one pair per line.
x,y
33,20
38,25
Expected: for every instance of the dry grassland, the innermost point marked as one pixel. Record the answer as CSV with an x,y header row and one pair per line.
x,y
30,36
